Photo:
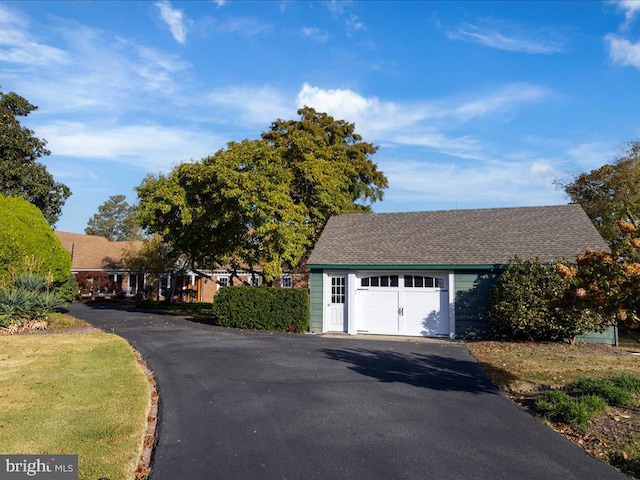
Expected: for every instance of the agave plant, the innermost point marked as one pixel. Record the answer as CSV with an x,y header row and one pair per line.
x,y
44,304
27,299
31,282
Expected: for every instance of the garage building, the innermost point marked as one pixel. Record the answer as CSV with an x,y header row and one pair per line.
x,y
431,273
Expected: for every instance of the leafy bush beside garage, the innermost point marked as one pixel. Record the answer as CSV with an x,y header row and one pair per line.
x,y
262,308
529,303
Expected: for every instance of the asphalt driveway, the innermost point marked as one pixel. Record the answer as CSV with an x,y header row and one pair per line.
x,y
253,405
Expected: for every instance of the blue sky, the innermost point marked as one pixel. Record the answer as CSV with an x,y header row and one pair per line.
x,y
473,104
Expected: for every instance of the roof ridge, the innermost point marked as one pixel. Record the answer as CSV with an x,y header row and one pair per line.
x,y
464,210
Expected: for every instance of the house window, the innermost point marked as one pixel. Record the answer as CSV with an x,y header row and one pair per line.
x,y
337,289
384,281
136,283
286,281
254,280
415,281
223,282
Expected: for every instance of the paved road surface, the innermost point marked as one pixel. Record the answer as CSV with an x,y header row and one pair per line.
x,y
253,405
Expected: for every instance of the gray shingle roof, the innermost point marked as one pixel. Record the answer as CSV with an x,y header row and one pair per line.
x,y
457,237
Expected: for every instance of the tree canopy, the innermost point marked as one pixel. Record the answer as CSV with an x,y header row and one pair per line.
x,y
20,173
263,202
115,221
610,194
26,236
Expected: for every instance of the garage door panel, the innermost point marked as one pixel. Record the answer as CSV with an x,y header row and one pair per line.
x,y
397,303
425,313
378,311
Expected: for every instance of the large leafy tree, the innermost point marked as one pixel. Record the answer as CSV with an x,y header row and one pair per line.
x,y
231,209
610,194
20,173
330,163
263,202
115,221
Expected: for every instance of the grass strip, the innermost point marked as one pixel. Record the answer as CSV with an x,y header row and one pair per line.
x,y
513,365
78,394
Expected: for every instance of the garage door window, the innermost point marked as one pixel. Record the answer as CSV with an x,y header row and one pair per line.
x,y
380,281
414,281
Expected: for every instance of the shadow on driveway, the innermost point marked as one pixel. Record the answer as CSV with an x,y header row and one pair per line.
x,y
419,370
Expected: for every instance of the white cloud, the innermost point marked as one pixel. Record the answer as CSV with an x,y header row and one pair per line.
x,y
505,98
354,24
592,155
465,147
220,3
315,34
245,26
102,76
174,18
251,105
623,51
510,37
541,166
17,45
631,9
520,183
337,7
414,124
372,116
153,147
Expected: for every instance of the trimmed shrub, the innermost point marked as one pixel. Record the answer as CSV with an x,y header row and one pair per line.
x,y
25,234
262,308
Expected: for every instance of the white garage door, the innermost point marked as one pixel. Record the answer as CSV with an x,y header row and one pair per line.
x,y
403,304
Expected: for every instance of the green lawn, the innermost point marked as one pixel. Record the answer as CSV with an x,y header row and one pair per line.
x,y
78,394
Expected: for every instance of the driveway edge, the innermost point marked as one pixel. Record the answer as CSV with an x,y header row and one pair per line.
x,y
144,464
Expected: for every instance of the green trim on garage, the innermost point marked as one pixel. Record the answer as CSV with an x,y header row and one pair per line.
x,y
405,267
473,301
316,300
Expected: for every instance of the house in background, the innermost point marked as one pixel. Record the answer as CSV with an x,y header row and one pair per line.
x,y
431,273
98,262
94,257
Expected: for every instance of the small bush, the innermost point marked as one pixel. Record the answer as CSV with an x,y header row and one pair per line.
x,y
68,290
262,308
605,388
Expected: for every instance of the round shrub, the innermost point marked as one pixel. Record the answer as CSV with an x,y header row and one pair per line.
x,y
27,242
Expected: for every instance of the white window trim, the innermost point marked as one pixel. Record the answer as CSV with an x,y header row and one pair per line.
x,y
289,280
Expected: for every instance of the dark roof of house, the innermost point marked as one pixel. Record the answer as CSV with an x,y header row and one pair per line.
x,y
91,252
489,236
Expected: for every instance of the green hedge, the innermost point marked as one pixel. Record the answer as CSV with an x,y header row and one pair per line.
x,y
262,308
